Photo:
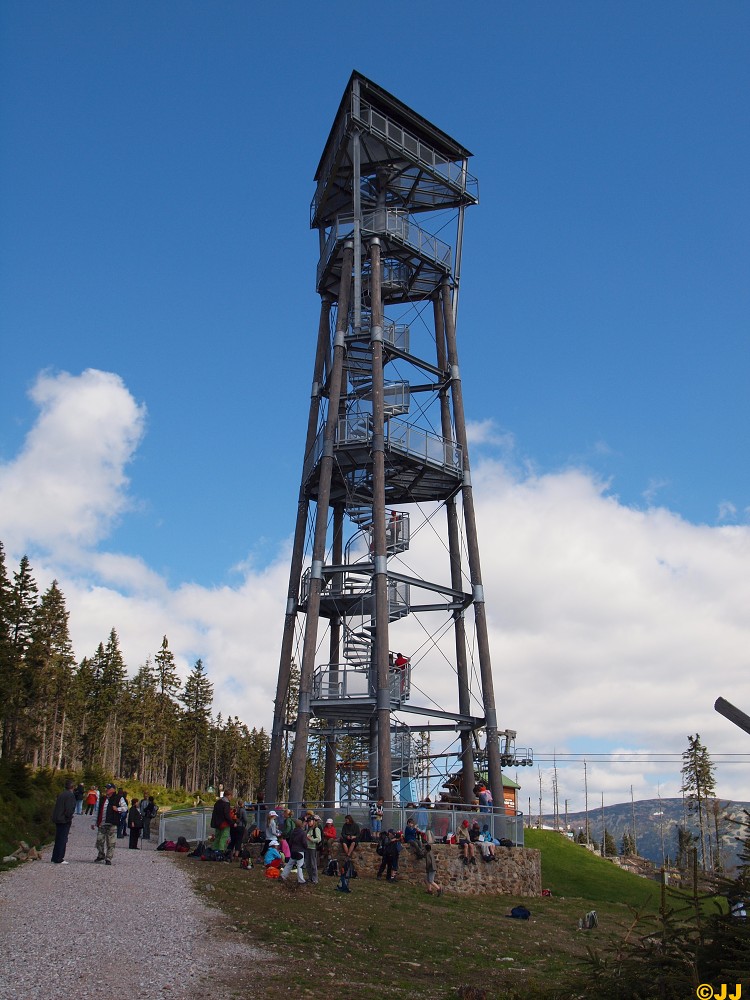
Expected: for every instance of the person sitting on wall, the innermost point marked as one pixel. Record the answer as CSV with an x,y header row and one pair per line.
x,y
349,836
465,845
486,844
328,839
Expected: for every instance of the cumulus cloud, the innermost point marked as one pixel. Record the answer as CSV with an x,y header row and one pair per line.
x,y
611,628
68,484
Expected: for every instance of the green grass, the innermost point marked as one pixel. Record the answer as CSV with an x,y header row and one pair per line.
x,y
395,941
568,869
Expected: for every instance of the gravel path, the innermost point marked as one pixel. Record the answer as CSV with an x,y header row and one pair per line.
x,y
92,929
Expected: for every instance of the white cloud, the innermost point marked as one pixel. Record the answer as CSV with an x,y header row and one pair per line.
x,y
610,627
68,484
486,432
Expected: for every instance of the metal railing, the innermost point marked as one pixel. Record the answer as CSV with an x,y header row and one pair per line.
x,y
407,438
342,682
395,225
451,172
195,824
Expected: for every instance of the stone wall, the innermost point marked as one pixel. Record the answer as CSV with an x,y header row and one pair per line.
x,y
516,872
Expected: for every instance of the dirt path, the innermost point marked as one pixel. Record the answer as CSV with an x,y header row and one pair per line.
x,y
107,930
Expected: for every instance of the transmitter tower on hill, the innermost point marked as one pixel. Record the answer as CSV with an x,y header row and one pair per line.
x,y
385,554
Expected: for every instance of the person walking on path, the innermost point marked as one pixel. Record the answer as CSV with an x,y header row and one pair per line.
x,y
62,817
107,820
430,871
135,824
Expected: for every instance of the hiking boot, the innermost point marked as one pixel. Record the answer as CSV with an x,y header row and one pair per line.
x,y
107,862
97,860
473,861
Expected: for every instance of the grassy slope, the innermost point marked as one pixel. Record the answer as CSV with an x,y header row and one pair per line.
x,y
568,869
394,941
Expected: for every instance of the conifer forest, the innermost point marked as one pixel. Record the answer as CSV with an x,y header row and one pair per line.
x,y
98,716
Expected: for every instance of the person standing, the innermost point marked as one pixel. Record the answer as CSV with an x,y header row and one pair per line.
x,y
314,838
430,872
149,814
79,792
122,808
62,817
135,824
297,845
220,821
92,800
237,834
376,816
107,819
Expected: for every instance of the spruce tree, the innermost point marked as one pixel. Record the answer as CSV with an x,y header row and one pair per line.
x,y
197,697
21,605
48,671
699,784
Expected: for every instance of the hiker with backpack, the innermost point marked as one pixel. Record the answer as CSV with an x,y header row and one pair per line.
x,y
149,814
297,845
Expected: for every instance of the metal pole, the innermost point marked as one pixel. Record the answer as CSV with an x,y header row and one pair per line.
x,y
307,667
298,548
454,549
380,555
472,543
329,776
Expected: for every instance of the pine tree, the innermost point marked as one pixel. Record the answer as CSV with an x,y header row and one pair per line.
x,y
628,844
197,697
21,605
699,784
140,742
609,847
48,669
168,686
7,660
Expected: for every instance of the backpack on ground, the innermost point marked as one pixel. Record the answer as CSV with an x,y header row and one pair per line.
x,y
332,868
343,884
199,849
520,913
349,871
589,922
365,836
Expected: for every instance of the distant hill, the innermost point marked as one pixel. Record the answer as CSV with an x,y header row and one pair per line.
x,y
656,822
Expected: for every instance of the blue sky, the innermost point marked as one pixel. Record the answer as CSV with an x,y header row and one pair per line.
x,y
155,176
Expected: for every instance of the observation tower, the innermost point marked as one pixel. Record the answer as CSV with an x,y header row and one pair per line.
x,y
385,555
